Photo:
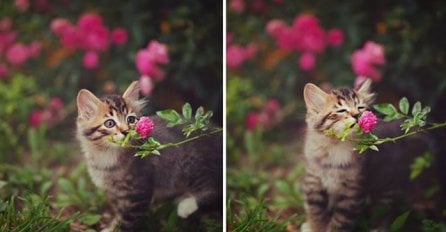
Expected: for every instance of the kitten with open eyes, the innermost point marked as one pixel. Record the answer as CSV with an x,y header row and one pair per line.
x,y
191,173
338,180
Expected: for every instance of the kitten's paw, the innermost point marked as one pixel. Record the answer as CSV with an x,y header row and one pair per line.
x,y
186,207
305,228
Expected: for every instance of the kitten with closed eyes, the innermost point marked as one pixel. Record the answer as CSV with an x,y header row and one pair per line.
x,y
191,173
337,179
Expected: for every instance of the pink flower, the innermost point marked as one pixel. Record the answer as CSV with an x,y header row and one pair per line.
x,y
91,60
148,59
119,36
237,6
146,85
6,39
275,26
272,106
144,127
55,104
17,54
367,121
90,22
35,118
364,60
307,61
3,71
34,49
43,5
21,5
158,51
5,24
259,6
237,55
59,25
335,37
252,120
305,22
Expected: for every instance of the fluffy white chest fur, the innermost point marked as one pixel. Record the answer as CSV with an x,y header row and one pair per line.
x,y
99,159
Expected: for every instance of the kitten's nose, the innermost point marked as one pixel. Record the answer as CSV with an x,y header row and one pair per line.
x,y
125,132
356,116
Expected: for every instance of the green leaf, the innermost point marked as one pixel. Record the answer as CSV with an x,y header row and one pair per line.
x,y
66,185
416,108
385,108
199,113
399,222
374,147
283,187
171,116
404,105
187,111
90,219
156,152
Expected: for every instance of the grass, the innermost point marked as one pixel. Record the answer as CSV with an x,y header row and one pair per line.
x,y
46,187
264,190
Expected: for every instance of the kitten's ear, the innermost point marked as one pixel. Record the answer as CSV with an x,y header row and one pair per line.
x,y
132,92
365,91
87,104
315,98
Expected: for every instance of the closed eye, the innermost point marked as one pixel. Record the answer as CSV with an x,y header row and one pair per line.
x,y
361,107
341,111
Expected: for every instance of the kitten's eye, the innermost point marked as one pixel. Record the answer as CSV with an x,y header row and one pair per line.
x,y
131,119
341,111
361,107
109,123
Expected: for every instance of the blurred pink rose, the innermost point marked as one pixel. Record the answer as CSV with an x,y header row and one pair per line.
x,y
310,36
375,52
3,71
335,37
146,85
307,61
21,5
272,105
6,39
34,49
43,6
59,25
237,55
70,37
119,36
274,27
252,120
158,51
148,59
55,104
305,22
237,6
91,60
364,60
5,24
89,22
259,6
35,118
17,54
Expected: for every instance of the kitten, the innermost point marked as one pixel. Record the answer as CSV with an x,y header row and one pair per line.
x,y
191,172
337,179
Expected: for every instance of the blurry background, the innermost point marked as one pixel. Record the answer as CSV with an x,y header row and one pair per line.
x,y
49,49
274,47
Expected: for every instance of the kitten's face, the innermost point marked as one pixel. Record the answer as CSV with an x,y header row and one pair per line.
x,y
337,110
109,118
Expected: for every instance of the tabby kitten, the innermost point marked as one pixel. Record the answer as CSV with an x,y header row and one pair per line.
x,y
337,179
191,173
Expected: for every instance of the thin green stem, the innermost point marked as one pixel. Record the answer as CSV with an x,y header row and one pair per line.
x,y
167,145
385,140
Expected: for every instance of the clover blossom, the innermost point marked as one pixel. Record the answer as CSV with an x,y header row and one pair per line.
x,y
144,127
367,121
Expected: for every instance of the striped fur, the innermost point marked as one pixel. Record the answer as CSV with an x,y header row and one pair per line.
x,y
192,172
333,183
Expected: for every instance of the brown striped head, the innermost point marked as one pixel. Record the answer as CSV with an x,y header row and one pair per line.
x,y
336,109
100,119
